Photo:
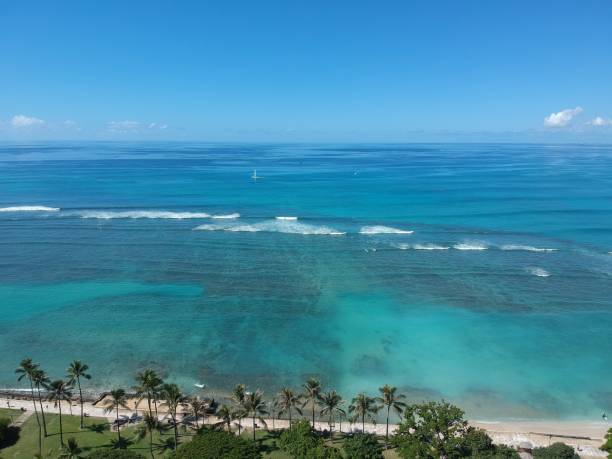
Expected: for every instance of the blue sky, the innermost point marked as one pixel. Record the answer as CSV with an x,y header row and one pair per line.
x,y
307,70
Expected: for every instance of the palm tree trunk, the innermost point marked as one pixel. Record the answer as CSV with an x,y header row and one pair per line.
x,y
151,443
42,412
330,421
253,427
363,423
59,403
118,429
197,425
80,399
239,425
149,403
155,404
175,432
387,430
37,419
289,416
313,406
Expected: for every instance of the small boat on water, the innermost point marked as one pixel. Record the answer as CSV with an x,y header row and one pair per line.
x,y
254,176
200,386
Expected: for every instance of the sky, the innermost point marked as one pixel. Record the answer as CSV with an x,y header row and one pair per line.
x,y
315,70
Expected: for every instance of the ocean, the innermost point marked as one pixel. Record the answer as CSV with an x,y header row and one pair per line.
x,y
477,273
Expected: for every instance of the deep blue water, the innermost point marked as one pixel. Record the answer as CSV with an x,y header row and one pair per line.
x,y
499,300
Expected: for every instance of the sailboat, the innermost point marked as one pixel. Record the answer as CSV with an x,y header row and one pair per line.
x,y
254,176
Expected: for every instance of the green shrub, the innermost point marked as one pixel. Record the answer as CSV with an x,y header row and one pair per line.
x,y
114,454
362,446
8,435
211,444
478,445
607,446
555,451
299,439
323,452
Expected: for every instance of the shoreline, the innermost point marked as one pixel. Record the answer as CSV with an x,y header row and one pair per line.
x,y
585,436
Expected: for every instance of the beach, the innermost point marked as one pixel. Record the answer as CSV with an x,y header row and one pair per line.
x,y
586,437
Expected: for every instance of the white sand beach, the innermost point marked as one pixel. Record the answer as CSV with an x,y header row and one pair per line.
x,y
584,436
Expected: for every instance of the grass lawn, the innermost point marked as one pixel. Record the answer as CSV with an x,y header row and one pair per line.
x,y
7,413
96,434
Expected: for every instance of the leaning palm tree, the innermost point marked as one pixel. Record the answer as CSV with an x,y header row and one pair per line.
x,y
117,400
71,450
173,398
41,379
226,415
364,407
59,391
76,371
391,400
197,408
147,386
27,370
287,401
332,402
255,406
149,425
238,396
312,395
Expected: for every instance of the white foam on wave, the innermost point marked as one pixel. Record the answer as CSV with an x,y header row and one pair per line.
x,y
226,217
274,226
383,230
527,248
470,246
286,218
107,215
538,272
29,209
429,247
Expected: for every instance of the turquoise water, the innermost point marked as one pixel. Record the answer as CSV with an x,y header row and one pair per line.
x,y
477,273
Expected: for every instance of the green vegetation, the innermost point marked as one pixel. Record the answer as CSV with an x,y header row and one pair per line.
x,y
555,451
438,429
607,446
210,444
427,430
363,446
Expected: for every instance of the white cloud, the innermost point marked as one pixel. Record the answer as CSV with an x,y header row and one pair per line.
x,y
599,121
158,126
20,121
123,127
70,123
562,118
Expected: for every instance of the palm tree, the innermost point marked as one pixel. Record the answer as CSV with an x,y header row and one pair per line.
x,y
390,399
288,401
225,414
363,406
255,406
173,399
331,402
71,450
149,425
197,407
41,380
147,386
238,396
26,370
117,399
76,371
312,395
58,391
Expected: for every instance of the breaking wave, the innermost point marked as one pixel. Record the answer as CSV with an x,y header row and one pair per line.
x,y
470,246
538,272
526,248
107,215
29,209
226,217
382,230
286,218
429,247
274,226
